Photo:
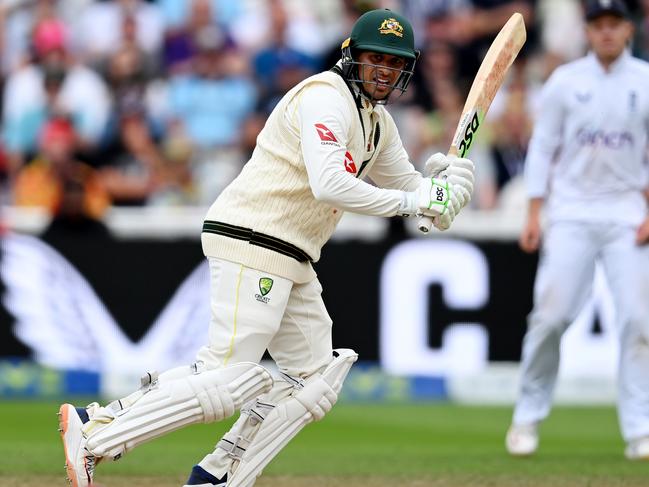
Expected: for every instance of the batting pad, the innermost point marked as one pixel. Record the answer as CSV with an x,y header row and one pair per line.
x,y
309,403
203,397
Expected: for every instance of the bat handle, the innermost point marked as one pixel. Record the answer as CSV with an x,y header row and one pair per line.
x,y
424,224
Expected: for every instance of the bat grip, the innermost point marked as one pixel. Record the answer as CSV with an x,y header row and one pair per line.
x,y
425,223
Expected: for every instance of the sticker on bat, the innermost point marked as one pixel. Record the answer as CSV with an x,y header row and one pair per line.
x,y
466,132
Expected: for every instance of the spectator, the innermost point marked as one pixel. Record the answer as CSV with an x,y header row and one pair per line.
x,y
178,13
641,41
181,41
100,28
212,102
511,129
52,84
351,11
19,18
5,188
129,61
279,66
253,30
48,179
432,17
129,72
560,36
472,31
134,159
175,182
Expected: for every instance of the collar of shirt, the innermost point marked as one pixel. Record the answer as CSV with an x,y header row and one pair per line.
x,y
616,66
366,105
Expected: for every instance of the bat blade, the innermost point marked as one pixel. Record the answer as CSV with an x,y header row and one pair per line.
x,y
488,80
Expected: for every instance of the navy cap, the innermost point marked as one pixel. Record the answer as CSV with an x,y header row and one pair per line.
x,y
597,8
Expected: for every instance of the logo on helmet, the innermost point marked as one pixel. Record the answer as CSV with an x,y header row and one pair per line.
x,y
391,26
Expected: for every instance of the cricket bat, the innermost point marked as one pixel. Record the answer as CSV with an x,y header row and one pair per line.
x,y
487,81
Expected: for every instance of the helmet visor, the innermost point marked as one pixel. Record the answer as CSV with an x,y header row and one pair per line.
x,y
372,80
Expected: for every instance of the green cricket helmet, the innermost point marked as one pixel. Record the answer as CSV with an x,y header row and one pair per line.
x,y
382,31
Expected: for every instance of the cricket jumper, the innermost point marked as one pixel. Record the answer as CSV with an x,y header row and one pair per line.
x,y
320,139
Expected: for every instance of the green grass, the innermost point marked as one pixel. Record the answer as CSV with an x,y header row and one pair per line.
x,y
356,445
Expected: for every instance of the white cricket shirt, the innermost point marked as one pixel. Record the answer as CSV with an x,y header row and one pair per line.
x,y
588,151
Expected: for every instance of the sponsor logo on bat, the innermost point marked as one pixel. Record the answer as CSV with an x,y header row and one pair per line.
x,y
466,132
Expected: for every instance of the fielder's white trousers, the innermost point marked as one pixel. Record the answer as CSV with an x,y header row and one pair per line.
x,y
563,283
289,319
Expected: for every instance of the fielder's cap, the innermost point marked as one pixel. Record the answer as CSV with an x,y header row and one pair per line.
x,y
597,8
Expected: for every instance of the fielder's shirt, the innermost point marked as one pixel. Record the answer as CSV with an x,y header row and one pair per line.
x,y
589,147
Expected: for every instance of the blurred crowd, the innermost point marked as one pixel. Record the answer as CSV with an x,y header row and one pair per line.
x,y
134,102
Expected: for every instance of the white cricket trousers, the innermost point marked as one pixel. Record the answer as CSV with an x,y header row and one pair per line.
x,y
563,283
252,311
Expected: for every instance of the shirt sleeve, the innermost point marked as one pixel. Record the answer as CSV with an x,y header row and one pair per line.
x,y
546,139
324,121
392,168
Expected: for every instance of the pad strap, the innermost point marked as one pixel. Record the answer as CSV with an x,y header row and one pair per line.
x,y
308,403
202,397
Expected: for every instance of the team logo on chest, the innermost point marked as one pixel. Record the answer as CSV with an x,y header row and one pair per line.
x,y
265,285
583,97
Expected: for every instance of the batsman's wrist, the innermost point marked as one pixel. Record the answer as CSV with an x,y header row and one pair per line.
x,y
408,205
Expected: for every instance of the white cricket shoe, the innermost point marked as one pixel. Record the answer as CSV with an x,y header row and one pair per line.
x,y
638,449
522,439
79,463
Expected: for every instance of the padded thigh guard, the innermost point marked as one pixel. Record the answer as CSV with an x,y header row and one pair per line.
x,y
312,399
202,397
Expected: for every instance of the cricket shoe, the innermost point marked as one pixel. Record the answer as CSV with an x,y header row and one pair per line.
x,y
638,449
79,462
522,440
202,478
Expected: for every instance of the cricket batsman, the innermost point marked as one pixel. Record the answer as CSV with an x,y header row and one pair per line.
x,y
261,236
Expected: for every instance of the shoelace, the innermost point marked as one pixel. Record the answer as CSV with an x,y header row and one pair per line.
x,y
90,463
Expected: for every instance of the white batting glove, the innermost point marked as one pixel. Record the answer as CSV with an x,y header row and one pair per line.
x,y
435,164
433,198
443,222
460,174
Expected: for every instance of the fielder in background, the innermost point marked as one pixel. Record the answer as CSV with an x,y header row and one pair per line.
x,y
261,236
587,163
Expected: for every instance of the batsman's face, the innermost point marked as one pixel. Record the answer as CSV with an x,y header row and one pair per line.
x,y
379,73
608,35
